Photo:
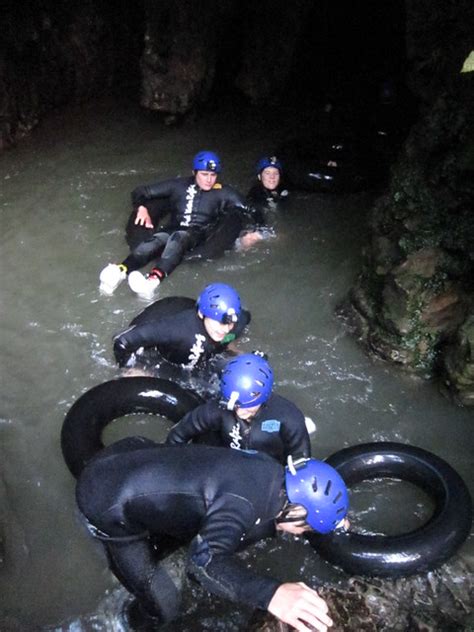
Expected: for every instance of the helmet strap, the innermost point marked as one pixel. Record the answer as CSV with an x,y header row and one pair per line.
x,y
234,396
293,466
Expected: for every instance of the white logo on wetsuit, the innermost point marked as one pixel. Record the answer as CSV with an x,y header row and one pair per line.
x,y
196,351
236,437
188,211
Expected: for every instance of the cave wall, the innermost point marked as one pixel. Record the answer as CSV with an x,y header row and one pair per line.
x,y
53,53
165,52
414,299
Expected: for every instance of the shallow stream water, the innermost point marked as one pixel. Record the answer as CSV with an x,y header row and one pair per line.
x,y
64,201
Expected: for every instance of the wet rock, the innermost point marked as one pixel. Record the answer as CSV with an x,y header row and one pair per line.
x,y
50,56
179,58
458,364
440,600
415,290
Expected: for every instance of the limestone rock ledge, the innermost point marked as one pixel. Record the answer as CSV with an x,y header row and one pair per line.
x,y
413,302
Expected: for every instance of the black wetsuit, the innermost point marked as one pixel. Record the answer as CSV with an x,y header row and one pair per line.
x,y
261,198
192,214
278,428
178,335
139,497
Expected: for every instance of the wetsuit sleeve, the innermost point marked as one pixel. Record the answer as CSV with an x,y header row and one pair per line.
x,y
202,419
295,436
252,216
128,341
212,560
143,194
234,199
257,200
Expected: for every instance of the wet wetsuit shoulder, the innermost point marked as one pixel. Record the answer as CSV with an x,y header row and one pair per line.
x,y
278,429
281,424
174,188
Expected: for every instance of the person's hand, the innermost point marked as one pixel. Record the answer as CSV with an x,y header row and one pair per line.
x,y
299,605
250,239
143,217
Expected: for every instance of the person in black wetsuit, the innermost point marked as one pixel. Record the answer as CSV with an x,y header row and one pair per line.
x,y
249,416
182,332
144,501
194,204
269,189
264,196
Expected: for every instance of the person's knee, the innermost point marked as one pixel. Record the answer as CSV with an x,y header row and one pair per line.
x,y
151,247
180,238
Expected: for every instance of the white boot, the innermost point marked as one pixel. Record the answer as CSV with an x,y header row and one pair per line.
x,y
142,285
111,277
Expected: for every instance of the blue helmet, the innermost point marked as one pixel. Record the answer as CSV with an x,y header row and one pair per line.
x,y
220,302
207,161
246,381
271,161
320,489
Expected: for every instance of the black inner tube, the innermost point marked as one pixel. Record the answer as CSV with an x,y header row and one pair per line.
x,y
81,434
419,550
220,237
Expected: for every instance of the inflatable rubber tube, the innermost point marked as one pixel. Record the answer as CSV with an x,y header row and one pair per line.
x,y
81,434
221,238
418,551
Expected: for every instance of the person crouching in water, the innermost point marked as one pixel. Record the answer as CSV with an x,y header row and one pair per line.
x,y
249,416
143,500
181,333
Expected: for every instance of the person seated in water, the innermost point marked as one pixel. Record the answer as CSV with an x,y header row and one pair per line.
x,y
264,195
195,204
143,501
268,189
249,416
188,333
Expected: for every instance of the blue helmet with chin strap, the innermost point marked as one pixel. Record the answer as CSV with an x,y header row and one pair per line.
x,y
320,489
267,161
220,302
207,161
246,381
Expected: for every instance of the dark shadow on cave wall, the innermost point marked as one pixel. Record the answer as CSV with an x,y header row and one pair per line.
x,y
55,53
344,55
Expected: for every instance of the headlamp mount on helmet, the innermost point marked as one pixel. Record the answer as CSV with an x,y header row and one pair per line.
x,y
268,161
207,161
220,302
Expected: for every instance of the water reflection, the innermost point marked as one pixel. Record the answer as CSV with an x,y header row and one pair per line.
x,y
64,197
